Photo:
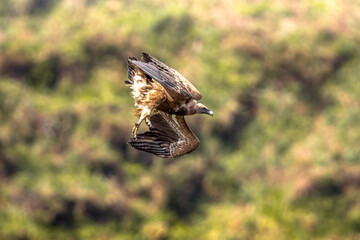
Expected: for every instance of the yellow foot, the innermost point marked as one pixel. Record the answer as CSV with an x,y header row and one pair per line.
x,y
147,121
134,130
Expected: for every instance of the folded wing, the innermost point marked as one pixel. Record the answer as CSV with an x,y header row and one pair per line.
x,y
168,137
166,76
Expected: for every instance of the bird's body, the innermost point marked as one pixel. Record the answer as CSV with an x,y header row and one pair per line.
x,y
162,91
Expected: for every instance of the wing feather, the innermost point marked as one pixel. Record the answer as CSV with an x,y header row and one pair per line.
x,y
166,76
167,138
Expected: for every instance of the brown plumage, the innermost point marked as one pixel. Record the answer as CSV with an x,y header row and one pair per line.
x,y
162,97
169,136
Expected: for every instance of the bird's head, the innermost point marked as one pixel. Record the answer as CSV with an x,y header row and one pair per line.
x,y
201,108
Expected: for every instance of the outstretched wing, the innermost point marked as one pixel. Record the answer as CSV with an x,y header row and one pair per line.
x,y
166,76
169,137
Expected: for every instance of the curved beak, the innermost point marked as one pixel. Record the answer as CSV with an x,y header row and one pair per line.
x,y
203,109
209,112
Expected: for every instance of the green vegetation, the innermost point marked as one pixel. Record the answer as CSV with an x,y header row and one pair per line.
x,y
279,160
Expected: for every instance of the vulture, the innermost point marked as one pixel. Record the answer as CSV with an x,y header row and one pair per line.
x,y
162,98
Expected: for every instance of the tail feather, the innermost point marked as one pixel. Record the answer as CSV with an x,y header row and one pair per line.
x,y
131,71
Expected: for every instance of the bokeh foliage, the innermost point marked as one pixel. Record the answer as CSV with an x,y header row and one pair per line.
x,y
279,160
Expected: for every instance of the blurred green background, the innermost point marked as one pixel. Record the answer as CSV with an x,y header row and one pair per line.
x,y
279,159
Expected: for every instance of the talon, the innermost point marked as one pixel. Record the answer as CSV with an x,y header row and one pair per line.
x,y
134,130
148,122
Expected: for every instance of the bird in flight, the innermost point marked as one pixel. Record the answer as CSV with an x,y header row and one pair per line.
x,y
163,97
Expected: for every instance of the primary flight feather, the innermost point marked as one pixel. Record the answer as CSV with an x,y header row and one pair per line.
x,y
163,97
